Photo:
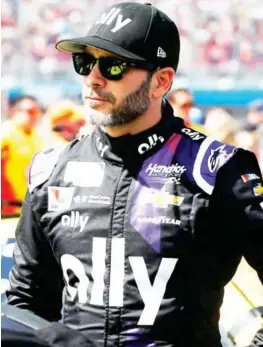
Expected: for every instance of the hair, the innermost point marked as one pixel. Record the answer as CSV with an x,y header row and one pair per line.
x,y
16,100
221,125
172,94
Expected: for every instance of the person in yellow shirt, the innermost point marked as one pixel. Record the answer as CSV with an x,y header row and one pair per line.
x,y
65,119
19,142
182,101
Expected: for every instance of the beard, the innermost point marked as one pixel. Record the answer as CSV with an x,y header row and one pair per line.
x,y
133,106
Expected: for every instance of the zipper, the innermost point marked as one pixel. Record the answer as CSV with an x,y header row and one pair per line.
x,y
108,265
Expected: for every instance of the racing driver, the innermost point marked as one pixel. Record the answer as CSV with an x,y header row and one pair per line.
x,y
133,232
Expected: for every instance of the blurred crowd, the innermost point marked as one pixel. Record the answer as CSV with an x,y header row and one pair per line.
x,y
219,37
219,122
29,129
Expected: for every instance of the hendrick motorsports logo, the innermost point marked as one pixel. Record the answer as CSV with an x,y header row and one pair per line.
x,y
165,171
158,220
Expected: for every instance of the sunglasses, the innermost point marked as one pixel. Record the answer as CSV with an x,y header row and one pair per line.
x,y
111,68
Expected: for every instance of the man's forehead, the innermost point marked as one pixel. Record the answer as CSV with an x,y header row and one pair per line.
x,y
97,52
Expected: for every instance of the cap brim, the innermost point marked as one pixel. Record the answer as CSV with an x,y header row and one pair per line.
x,y
78,45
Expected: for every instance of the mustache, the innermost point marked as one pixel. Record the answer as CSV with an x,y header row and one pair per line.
x,y
102,94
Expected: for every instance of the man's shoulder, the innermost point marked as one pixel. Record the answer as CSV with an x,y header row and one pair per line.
x,y
45,161
204,156
42,165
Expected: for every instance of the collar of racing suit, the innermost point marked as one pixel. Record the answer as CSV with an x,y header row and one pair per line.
x,y
136,148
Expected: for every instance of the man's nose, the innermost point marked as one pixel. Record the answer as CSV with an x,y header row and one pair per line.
x,y
95,78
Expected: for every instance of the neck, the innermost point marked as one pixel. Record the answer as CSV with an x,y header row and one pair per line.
x,y
147,120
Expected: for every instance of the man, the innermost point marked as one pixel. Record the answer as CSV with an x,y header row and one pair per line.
x,y
20,141
145,220
65,121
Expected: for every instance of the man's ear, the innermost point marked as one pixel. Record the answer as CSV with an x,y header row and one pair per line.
x,y
162,80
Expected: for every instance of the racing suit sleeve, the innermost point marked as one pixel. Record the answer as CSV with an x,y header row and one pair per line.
x,y
35,280
239,186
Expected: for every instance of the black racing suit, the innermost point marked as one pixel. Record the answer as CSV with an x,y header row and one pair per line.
x,y
136,236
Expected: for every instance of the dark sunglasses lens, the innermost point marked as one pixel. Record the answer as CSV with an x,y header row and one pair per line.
x,y
112,69
83,63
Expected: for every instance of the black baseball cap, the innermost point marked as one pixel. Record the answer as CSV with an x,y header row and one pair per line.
x,y
137,32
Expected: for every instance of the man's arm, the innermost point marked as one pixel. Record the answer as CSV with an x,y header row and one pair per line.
x,y
241,184
35,280
250,196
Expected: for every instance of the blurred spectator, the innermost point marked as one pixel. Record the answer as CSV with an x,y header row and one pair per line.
x,y
65,120
19,142
221,125
255,113
251,135
182,102
247,137
196,117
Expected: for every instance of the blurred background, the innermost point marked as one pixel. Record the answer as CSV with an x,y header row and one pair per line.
x,y
218,90
221,59
218,87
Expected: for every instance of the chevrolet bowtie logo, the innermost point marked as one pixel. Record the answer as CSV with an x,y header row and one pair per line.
x,y
163,199
258,190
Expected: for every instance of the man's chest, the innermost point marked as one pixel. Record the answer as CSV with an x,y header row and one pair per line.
x,y
154,211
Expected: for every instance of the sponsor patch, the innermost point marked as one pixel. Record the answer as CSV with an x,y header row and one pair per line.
x,y
258,190
211,156
164,171
216,157
249,177
158,220
164,174
74,221
92,199
152,141
84,174
161,199
194,135
60,198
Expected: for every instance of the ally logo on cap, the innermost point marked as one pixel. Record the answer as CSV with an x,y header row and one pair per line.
x,y
113,14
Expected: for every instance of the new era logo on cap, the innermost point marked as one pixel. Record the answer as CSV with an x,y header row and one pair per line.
x,y
161,53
